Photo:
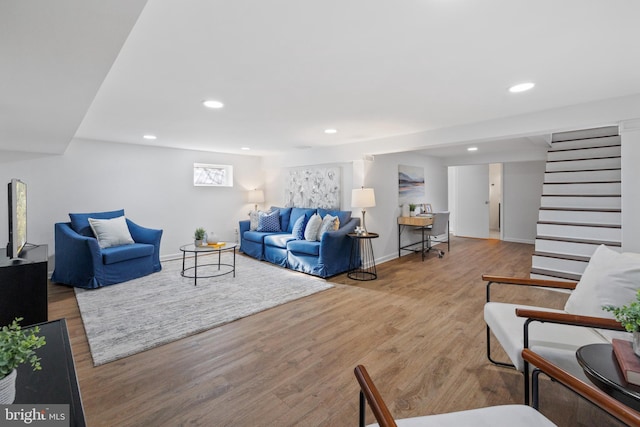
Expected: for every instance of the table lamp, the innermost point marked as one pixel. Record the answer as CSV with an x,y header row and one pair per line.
x,y
363,198
256,196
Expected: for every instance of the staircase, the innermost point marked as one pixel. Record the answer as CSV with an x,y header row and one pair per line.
x,y
581,202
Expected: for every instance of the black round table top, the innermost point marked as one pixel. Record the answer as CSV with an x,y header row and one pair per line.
x,y
364,235
601,366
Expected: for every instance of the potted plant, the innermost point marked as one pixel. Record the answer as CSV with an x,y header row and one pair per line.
x,y
629,317
412,209
199,236
16,347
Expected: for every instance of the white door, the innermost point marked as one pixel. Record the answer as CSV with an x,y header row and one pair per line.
x,y
472,201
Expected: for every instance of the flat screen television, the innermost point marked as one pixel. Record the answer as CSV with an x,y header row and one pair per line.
x,y
17,192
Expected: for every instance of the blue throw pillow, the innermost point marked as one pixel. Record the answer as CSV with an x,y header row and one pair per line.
x,y
298,228
269,222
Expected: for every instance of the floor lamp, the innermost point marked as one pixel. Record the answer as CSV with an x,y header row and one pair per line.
x,y
363,198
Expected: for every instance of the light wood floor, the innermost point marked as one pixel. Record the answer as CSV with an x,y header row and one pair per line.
x,y
418,329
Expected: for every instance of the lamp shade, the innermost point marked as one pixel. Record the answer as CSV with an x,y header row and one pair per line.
x,y
363,198
256,196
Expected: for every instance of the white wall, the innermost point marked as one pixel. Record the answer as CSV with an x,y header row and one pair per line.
x,y
153,185
630,136
522,188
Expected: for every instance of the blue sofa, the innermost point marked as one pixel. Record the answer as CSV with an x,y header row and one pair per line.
x,y
324,258
81,262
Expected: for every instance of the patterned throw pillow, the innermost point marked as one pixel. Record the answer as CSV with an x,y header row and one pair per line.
x,y
329,223
269,222
313,225
254,218
298,228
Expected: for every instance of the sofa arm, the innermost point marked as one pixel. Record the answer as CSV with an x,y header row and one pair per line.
x,y
77,258
336,243
521,281
244,225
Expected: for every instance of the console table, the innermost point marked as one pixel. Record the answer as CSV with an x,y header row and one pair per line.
x,y
56,383
24,286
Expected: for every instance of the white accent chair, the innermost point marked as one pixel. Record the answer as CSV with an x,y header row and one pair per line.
x,y
610,278
504,415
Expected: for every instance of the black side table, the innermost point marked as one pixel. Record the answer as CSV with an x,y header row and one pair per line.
x,y
362,264
601,366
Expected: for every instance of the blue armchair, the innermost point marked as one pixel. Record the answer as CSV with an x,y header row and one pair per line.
x,y
81,262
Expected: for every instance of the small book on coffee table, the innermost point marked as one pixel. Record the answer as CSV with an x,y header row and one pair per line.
x,y
627,360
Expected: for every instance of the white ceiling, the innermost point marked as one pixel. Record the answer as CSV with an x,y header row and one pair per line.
x,y
288,69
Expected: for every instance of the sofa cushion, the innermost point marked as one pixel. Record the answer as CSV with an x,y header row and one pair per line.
x,y
312,228
611,278
344,216
329,223
255,236
116,254
80,221
278,240
297,213
111,232
298,228
269,222
285,214
304,246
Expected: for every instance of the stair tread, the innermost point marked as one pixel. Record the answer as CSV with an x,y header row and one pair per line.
x,y
582,195
584,170
558,274
562,256
559,149
581,224
584,241
583,182
607,210
584,158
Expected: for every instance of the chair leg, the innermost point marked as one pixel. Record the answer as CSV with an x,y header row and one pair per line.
x,y
534,389
362,409
495,362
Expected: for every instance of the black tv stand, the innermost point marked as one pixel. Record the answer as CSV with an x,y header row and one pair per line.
x,y
23,286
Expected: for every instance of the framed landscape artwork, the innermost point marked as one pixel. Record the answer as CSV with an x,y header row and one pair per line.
x,y
410,184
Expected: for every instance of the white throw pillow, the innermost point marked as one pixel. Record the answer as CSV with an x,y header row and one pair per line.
x,y
254,220
111,232
611,278
329,223
311,230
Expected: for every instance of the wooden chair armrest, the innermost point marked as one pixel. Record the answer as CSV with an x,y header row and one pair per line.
x,y
521,281
529,282
376,403
589,392
570,319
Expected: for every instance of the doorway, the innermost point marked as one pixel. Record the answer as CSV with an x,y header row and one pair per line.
x,y
475,194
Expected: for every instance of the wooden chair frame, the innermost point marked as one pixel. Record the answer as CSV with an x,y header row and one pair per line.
x,y
370,394
543,317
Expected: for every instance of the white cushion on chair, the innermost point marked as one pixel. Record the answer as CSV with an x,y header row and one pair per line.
x,y
557,343
493,416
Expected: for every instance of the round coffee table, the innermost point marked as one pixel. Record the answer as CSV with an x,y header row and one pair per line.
x,y
207,250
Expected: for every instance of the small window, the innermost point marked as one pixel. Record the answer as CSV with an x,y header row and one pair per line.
x,y
212,175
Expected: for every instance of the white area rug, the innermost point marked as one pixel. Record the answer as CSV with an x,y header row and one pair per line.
x,y
130,317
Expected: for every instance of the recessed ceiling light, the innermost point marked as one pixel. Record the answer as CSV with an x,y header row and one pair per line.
x,y
150,137
245,148
472,149
330,131
521,87
213,104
